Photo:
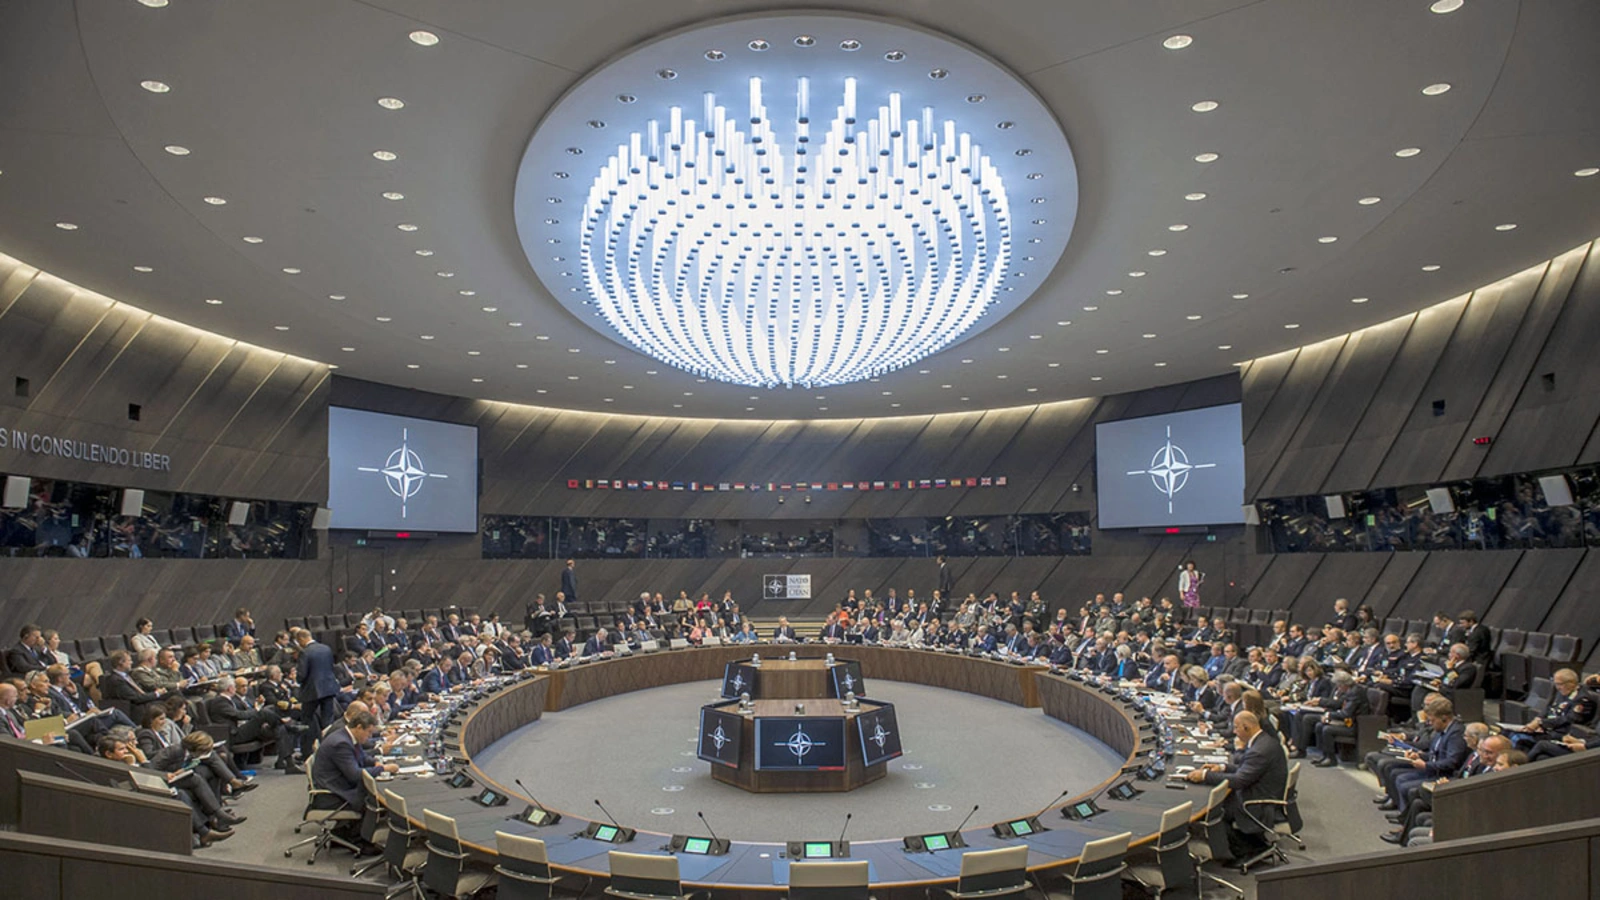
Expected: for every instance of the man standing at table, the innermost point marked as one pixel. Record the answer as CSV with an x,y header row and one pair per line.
x,y
318,683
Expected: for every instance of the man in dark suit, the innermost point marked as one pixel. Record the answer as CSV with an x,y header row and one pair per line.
x,y
1342,618
1480,644
1340,722
1446,752
118,685
784,633
30,654
562,646
338,768
543,653
833,632
1259,772
248,723
318,683
947,578
569,582
241,625
597,644
1569,705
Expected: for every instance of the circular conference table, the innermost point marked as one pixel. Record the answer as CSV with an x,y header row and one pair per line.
x,y
760,867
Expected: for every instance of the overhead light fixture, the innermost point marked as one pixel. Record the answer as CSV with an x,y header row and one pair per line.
x,y
145,269
391,103
1407,152
393,195
1444,6
744,294
1055,365
1327,239
1241,296
1587,172
1506,226
280,328
406,226
1224,346
1178,227
477,381
426,337
290,270
66,226
212,301
1090,308
1369,201
491,309
1358,299
474,352
1064,323
153,4
1148,336
412,366
1102,352
522,365
216,201
1434,90
336,297
1137,273
1206,157
1193,317
1156,252
423,252
1094,378
1196,195
385,155
424,38
156,87
1292,325
1177,42
1431,267
383,318
252,239
176,149
1161,365
1205,106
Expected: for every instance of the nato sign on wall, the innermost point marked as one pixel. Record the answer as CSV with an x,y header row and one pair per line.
x,y
392,473
1184,468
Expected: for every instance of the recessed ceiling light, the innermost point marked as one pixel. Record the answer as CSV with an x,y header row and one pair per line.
x,y
156,87
1055,365
715,55
1094,377
424,38
1001,349
1206,157
348,349
467,293
1177,42
522,365
1587,172
680,406
426,337
1327,239
176,150
1160,365
541,337
1147,335
1064,322
1359,299
664,75
1407,152
383,318
153,4
1224,346
850,45
1102,352
216,201
759,45
252,239
572,378
477,381
423,252
1090,308
391,103
335,296
1205,106
290,270
393,195
1368,201
280,328
143,269
490,309
627,387
1506,226
622,98
966,362
805,40
1197,195
1178,227
1114,292
445,274
1445,6
1035,337
1292,325
406,226
385,155
1137,273
1434,90
212,301
412,366
895,55
1193,317
887,393
540,391
1156,252
1431,267
574,349
474,352
513,324
1002,377
1241,296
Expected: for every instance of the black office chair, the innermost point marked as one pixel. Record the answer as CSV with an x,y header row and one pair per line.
x,y
448,872
987,874
321,812
1278,820
829,880
1098,874
1213,844
1170,866
643,876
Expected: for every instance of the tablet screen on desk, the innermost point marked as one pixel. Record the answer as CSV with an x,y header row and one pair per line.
x,y
697,845
935,842
818,850
605,833
1021,827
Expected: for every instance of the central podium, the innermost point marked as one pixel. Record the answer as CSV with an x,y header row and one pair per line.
x,y
797,726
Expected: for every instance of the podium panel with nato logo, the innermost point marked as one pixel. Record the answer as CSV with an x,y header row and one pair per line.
x,y
798,746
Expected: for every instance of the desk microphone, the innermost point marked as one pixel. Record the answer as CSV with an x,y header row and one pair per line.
x,y
968,818
845,828
607,813
1132,767
549,817
78,775
1051,803
707,825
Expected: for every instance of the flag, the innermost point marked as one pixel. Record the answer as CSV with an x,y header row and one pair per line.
x,y
940,482
604,484
677,485
724,486
924,483
572,483
833,485
877,485
986,482
1000,482
649,485
588,483
894,485
694,485
972,482
738,485
708,486
771,486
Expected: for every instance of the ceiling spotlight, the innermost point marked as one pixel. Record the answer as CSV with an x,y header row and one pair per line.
x,y
391,103
212,301
1160,365
406,226
155,87
424,38
1114,292
1445,6
666,74
895,55
1508,226
1368,201
1178,227
423,252
562,175
1431,267
385,155
1241,296
1192,318
1024,152
1090,308
336,297
412,366
1205,106
1292,325
1196,195
759,45
1094,377
176,150
153,4
491,309
596,124
1359,299
1407,152
716,55
1177,42
143,269
1148,336
1587,172
1156,252
805,40
574,151
280,328
1224,346
1055,365
393,195
215,201
468,293
939,74
477,381
1137,273
513,324
290,270
252,239
850,45
522,365
975,98
1206,157
1434,90
426,337
1102,352
1327,239
474,352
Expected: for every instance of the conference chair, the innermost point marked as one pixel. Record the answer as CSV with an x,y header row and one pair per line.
x,y
374,830
401,856
644,876
1172,865
1369,728
1213,843
829,880
327,816
987,874
1277,820
524,869
447,871
1098,874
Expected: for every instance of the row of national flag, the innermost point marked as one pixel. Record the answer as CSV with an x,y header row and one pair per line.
x,y
916,484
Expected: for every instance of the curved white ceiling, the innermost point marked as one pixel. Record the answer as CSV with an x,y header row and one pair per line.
x,y
278,107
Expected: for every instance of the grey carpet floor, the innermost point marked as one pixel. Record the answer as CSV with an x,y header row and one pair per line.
x,y
598,750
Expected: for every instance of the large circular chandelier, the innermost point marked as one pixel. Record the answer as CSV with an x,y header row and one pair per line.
x,y
806,199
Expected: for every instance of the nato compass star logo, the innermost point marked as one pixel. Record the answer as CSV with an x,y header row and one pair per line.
x,y
719,738
1169,469
737,683
776,587
403,471
849,682
879,736
800,744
